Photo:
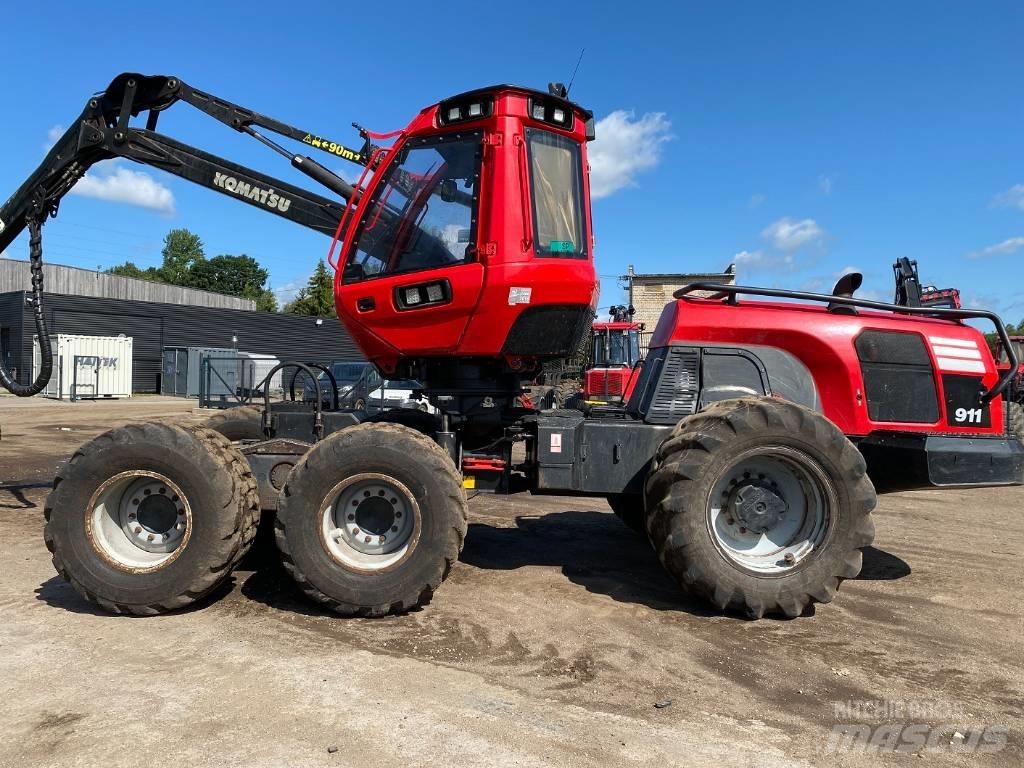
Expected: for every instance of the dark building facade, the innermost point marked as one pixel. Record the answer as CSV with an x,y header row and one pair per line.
x,y
154,326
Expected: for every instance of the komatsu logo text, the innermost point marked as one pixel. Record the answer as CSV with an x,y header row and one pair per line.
x,y
257,194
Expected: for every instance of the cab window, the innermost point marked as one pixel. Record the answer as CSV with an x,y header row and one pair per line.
x,y
423,214
556,182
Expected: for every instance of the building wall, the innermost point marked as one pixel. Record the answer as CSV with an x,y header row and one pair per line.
x,y
154,326
650,293
71,281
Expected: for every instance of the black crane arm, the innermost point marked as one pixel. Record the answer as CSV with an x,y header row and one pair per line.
x,y
103,132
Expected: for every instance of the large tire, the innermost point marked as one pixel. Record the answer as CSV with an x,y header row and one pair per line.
x,y
191,484
1016,420
425,423
372,519
813,504
629,508
242,423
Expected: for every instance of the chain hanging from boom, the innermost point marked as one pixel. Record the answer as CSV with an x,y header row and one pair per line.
x,y
34,222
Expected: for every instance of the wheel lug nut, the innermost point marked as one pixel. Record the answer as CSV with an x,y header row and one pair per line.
x,y
394,501
366,494
789,558
367,539
146,492
131,515
351,517
163,490
355,531
380,493
383,539
135,502
398,514
394,529
137,531
743,530
181,513
355,502
150,537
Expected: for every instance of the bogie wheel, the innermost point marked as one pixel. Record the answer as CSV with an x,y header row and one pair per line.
x,y
151,517
242,423
629,508
1016,419
372,520
761,506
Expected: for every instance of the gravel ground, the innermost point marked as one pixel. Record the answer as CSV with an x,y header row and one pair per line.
x,y
557,640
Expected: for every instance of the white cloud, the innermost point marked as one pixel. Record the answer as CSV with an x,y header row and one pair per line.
x,y
1011,198
1008,246
624,147
765,261
825,184
115,183
789,235
52,136
748,258
757,200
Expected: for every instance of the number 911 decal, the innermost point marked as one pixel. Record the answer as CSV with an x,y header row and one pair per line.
x,y
963,402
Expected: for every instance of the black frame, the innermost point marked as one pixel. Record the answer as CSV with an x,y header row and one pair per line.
x,y
730,292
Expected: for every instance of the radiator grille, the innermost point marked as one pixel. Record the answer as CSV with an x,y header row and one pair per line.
x,y
678,388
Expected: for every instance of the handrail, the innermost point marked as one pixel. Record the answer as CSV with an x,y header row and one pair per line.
x,y
730,292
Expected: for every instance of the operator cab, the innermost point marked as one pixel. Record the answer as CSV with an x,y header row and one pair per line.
x,y
471,236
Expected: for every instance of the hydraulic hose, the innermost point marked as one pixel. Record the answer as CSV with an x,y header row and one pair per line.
x,y
35,249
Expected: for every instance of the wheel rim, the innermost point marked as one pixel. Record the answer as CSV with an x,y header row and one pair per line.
x,y
139,521
771,510
370,522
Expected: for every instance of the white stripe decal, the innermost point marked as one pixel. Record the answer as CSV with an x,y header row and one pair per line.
x,y
953,342
965,366
967,354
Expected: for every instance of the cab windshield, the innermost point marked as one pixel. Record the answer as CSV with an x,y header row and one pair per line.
x,y
423,214
1018,347
612,347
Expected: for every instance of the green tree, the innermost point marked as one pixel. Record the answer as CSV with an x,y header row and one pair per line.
x,y
130,269
317,297
182,251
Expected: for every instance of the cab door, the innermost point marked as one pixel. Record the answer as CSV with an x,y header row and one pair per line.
x,y
411,278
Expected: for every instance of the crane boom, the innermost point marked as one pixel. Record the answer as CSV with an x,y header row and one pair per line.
x,y
103,132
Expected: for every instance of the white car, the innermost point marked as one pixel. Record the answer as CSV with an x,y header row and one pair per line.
x,y
398,393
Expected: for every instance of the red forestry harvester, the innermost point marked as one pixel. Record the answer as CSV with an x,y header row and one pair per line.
x,y
464,260
614,358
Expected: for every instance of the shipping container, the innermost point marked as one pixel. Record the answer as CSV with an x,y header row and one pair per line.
x,y
86,367
261,366
182,372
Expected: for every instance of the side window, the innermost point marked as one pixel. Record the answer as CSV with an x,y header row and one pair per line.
x,y
424,212
556,183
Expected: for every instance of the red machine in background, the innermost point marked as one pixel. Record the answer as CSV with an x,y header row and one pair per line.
x,y
614,358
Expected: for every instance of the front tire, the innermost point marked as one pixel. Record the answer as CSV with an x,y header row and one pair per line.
x,y
761,506
372,520
149,518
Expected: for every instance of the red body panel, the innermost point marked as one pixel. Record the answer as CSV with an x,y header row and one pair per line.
x,y
824,342
477,321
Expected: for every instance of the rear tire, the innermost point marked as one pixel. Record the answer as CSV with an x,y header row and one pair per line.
x,y
372,520
1016,420
629,508
242,423
760,506
149,518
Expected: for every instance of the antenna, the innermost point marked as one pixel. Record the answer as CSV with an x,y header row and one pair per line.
x,y
582,51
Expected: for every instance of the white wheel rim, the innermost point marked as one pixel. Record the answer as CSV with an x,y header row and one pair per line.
x,y
771,510
370,522
139,521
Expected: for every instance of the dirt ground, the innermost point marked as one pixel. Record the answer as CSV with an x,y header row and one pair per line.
x,y
551,644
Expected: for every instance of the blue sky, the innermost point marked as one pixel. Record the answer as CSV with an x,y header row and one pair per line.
x,y
797,139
